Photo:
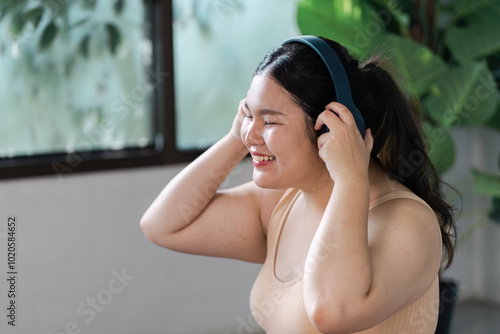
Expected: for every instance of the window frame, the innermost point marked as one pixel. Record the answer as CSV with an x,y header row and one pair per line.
x,y
163,152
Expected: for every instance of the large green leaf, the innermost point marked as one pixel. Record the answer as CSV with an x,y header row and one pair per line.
x,y
441,148
487,184
464,8
466,95
396,11
478,35
416,62
352,23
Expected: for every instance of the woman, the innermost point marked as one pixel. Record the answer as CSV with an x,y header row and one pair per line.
x,y
351,229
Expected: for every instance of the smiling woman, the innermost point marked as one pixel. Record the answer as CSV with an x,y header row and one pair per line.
x,y
350,242
274,127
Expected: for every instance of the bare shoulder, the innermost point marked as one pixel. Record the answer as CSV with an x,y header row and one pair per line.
x,y
265,199
410,227
395,207
261,199
404,206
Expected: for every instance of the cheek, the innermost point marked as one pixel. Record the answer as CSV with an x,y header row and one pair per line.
x,y
302,149
275,139
272,133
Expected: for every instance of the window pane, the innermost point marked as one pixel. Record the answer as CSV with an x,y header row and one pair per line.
x,y
74,76
218,44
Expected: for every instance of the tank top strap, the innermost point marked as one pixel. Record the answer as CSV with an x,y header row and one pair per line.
x,y
395,195
279,214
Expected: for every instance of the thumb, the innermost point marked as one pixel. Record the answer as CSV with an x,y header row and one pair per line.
x,y
368,139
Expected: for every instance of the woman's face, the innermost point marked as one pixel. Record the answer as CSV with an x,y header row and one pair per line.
x,y
274,131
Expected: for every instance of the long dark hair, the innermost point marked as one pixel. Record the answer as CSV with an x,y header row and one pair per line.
x,y
399,142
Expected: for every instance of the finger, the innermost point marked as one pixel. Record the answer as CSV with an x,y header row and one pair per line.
x,y
319,122
342,111
368,139
327,118
322,139
241,107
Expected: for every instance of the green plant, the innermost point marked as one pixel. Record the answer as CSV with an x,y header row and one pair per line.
x,y
448,53
45,20
67,65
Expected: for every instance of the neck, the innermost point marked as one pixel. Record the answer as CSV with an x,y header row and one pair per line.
x,y
317,193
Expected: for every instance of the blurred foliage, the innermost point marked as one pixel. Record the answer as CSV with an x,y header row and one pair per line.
x,y
27,16
69,67
448,53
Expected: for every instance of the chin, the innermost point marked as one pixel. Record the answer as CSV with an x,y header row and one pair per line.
x,y
267,182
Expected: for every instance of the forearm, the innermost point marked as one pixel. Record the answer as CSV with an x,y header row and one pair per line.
x,y
338,268
190,191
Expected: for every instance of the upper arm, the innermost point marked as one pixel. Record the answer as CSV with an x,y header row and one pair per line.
x,y
405,250
233,225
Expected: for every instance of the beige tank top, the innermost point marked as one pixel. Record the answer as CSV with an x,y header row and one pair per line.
x,y
278,306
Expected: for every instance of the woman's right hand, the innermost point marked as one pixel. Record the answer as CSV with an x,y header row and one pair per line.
x,y
238,119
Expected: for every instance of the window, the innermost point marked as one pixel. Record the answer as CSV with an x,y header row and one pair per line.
x,y
218,44
79,86
99,84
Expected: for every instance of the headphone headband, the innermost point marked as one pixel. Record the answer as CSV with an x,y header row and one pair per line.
x,y
337,72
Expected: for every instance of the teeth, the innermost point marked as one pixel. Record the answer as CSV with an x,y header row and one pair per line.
x,y
262,158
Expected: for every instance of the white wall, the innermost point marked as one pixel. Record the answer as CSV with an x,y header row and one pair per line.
x,y
74,233
477,264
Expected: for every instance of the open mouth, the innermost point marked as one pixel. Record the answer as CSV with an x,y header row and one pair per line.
x,y
259,158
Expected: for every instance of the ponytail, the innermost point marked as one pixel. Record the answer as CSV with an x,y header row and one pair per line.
x,y
399,145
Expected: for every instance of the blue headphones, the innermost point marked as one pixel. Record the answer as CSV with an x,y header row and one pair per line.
x,y
337,72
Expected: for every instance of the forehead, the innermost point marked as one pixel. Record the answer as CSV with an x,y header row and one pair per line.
x,y
266,94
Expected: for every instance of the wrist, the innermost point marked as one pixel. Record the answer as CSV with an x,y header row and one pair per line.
x,y
236,144
360,181
355,190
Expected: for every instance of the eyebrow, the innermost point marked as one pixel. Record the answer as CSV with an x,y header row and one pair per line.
x,y
267,111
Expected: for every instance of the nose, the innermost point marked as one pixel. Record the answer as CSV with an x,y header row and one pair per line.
x,y
252,133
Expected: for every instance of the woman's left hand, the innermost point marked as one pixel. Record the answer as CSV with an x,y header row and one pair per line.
x,y
344,151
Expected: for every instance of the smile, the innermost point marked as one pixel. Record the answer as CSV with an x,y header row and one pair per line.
x,y
259,158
